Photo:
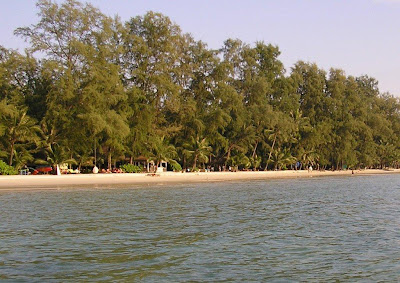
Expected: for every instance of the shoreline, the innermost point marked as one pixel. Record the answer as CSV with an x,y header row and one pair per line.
x,y
40,182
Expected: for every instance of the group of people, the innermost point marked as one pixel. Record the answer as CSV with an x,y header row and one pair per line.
x,y
114,170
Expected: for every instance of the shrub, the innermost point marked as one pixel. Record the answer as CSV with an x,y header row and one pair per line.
x,y
6,169
176,166
130,168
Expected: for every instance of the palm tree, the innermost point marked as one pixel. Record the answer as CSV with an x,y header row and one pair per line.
x,y
282,130
255,162
22,156
281,158
271,134
241,160
162,150
198,150
239,140
52,149
21,129
56,155
309,157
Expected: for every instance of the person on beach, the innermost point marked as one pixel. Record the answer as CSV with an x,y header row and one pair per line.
x,y
310,169
95,170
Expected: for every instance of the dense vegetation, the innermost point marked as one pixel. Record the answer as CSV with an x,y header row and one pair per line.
x,y
92,87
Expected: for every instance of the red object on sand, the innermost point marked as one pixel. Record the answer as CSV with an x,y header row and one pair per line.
x,y
42,170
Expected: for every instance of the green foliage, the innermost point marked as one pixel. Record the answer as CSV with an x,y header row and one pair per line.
x,y
130,168
18,131
282,158
105,90
162,150
7,169
197,150
176,167
241,160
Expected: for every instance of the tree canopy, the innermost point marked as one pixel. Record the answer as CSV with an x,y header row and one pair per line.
x,y
91,89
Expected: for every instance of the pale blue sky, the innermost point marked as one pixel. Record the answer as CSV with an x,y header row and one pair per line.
x,y
359,36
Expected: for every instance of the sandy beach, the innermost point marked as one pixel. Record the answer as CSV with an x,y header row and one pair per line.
x,y
98,180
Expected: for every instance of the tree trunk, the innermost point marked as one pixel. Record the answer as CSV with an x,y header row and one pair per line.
x,y
95,153
270,153
228,156
109,159
194,162
11,153
253,156
255,149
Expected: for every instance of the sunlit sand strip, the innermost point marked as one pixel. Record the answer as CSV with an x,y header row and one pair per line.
x,y
98,180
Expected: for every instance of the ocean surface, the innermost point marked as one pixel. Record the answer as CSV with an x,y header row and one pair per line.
x,y
316,229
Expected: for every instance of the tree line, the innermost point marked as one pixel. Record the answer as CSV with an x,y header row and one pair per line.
x,y
91,89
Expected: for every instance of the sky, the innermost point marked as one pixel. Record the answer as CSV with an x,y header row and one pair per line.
x,y
359,36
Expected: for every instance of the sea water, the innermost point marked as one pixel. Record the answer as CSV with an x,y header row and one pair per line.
x,y
316,229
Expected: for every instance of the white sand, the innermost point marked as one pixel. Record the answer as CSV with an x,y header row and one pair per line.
x,y
98,180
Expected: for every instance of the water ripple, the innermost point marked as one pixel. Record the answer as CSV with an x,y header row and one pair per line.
x,y
330,229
